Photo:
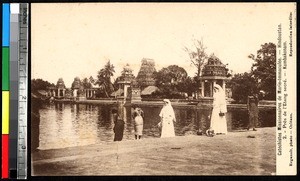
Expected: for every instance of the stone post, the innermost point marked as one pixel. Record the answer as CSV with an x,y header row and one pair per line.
x,y
212,88
75,93
125,91
224,86
202,88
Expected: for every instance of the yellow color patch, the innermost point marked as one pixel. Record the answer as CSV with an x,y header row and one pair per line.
x,y
5,112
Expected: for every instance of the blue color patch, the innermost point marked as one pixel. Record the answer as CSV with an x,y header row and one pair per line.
x,y
5,24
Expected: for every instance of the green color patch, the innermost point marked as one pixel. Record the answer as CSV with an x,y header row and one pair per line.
x,y
5,68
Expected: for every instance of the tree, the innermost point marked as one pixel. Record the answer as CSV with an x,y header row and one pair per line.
x,y
104,78
264,69
242,85
92,80
197,57
126,75
40,84
189,85
86,83
170,80
261,78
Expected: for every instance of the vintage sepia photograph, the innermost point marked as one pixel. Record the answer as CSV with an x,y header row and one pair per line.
x,y
155,88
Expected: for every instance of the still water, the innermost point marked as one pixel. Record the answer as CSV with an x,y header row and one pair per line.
x,y
67,125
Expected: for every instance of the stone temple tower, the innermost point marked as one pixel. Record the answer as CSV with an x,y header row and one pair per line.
x,y
145,76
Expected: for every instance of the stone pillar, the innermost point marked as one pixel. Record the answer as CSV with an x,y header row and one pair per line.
x,y
224,86
53,93
202,88
118,89
64,92
212,88
75,93
125,91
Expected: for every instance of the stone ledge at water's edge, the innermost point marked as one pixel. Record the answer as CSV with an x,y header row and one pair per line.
x,y
237,153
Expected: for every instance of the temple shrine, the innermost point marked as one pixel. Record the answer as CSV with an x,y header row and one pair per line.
x,y
59,90
132,89
77,91
124,83
214,72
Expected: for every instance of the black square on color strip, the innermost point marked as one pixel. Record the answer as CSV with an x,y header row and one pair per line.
x,y
13,173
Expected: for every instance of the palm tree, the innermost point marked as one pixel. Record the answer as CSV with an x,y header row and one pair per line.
x,y
104,78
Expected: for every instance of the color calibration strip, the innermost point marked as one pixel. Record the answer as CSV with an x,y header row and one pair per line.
x,y
5,88
22,91
13,99
14,90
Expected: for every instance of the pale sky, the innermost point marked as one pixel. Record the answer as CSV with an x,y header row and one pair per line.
x,y
70,40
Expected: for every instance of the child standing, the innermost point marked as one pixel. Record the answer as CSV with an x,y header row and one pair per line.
x,y
138,117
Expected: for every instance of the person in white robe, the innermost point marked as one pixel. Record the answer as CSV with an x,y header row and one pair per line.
x,y
138,117
218,121
167,116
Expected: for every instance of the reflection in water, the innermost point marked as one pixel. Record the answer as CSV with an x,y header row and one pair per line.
x,y
67,125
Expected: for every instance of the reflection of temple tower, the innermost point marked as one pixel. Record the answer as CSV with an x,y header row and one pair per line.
x,y
214,72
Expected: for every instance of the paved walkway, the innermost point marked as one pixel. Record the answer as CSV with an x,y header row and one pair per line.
x,y
238,153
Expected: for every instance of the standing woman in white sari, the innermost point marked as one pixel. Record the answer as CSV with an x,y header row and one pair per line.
x,y
218,119
167,116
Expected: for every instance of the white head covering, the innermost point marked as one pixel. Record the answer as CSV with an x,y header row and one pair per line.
x,y
220,98
167,110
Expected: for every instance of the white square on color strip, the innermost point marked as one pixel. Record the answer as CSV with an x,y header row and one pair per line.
x,y
14,8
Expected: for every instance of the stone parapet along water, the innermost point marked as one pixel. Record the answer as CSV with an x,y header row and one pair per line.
x,y
247,153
